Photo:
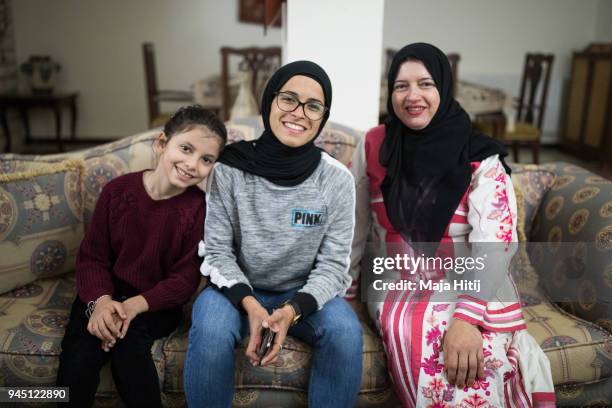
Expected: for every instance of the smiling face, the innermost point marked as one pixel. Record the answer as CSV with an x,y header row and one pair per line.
x,y
295,129
415,97
187,158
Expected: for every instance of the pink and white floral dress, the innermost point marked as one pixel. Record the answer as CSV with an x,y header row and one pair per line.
x,y
412,323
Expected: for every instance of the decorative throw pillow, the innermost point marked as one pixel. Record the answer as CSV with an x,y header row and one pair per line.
x,y
102,163
525,276
534,182
41,222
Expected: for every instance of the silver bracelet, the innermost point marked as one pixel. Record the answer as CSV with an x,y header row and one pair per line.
x,y
91,305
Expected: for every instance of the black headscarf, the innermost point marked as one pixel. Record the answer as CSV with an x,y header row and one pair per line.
x,y
428,170
267,156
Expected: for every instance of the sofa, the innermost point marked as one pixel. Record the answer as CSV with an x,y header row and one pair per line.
x,y
46,202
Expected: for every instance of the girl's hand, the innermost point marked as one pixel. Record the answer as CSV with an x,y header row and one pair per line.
x,y
463,356
257,314
279,322
107,345
102,323
133,307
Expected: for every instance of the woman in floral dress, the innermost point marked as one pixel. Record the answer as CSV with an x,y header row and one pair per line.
x,y
425,177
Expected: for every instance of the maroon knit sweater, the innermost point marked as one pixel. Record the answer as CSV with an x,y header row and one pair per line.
x,y
136,245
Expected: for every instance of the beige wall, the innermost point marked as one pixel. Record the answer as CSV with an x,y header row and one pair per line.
x,y
355,100
493,36
603,31
98,44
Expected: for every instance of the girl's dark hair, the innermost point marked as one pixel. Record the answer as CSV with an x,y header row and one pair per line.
x,y
188,117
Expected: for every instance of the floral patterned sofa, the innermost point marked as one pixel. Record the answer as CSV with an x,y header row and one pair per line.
x,y
47,201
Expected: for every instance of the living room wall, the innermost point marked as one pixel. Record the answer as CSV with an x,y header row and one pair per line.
x,y
99,47
603,31
493,37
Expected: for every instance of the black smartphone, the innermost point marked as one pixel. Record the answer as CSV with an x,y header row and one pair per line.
x,y
267,340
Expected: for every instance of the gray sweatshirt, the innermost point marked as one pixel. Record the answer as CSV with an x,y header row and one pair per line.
x,y
261,235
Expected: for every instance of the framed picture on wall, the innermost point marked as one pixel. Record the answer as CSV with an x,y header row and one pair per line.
x,y
254,11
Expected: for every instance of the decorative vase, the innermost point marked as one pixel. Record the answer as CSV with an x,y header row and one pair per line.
x,y
245,103
41,72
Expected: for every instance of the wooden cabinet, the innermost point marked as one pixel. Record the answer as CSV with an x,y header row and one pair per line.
x,y
587,129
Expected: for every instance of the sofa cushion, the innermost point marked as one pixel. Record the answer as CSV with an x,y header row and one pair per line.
x,y
32,323
576,217
102,163
41,222
598,394
33,319
272,397
525,276
579,351
291,371
534,182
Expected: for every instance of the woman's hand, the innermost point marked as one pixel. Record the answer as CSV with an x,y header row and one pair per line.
x,y
463,356
279,323
102,323
257,314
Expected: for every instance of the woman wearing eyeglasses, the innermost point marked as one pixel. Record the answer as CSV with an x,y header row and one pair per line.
x,y
278,235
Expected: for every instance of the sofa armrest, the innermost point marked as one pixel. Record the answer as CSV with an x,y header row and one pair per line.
x,y
574,225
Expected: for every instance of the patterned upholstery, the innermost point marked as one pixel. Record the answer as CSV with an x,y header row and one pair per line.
x,y
290,374
41,222
32,323
102,163
578,209
579,351
534,183
585,395
33,317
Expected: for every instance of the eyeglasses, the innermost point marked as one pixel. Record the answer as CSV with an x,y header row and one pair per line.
x,y
288,103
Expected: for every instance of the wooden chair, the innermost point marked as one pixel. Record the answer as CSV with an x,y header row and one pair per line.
x,y
531,104
259,62
389,54
454,59
154,95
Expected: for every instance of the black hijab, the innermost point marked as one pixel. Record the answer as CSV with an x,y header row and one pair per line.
x,y
428,170
267,157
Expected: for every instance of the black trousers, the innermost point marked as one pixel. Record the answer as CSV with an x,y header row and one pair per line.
x,y
132,365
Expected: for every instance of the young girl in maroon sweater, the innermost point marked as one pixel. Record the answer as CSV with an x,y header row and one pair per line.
x,y
138,264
